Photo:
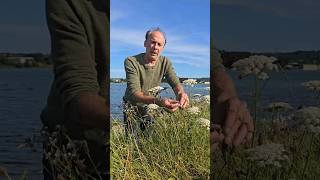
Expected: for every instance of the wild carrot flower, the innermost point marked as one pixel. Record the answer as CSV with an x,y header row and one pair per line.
x,y
257,65
279,106
193,110
205,99
312,85
196,95
151,107
272,154
155,91
190,82
308,119
204,122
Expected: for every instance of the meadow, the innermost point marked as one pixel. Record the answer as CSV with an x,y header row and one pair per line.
x,y
176,146
286,143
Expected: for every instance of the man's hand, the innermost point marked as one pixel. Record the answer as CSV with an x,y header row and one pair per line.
x,y
183,100
216,136
171,105
238,126
181,96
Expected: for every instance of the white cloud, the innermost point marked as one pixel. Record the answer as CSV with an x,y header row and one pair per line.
x,y
127,36
116,14
178,48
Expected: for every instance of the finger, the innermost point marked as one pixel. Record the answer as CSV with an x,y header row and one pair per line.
x,y
233,130
173,101
175,109
186,102
240,136
232,108
175,105
182,101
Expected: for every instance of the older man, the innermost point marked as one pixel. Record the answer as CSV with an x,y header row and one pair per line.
x,y
147,70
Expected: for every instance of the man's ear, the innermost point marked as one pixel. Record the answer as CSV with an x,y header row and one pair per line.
x,y
144,44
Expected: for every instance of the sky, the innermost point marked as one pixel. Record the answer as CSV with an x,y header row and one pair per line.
x,y
185,22
240,25
266,25
23,27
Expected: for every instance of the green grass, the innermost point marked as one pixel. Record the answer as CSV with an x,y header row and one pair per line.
x,y
301,147
175,147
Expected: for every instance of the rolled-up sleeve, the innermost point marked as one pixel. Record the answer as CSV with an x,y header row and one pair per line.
x,y
74,63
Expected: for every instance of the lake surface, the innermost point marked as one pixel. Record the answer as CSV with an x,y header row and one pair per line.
x,y
23,94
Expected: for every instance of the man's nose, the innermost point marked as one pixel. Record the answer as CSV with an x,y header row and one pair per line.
x,y
156,47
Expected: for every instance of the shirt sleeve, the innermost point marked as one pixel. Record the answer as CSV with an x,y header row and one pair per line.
x,y
170,74
132,76
74,64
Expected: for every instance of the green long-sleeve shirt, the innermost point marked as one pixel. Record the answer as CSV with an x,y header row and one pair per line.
x,y
79,43
142,78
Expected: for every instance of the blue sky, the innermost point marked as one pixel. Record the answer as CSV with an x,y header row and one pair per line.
x,y
185,22
266,26
246,25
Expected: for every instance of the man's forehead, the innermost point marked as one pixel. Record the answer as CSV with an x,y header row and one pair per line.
x,y
156,34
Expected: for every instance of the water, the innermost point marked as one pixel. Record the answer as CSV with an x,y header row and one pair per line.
x,y
282,86
117,91
23,94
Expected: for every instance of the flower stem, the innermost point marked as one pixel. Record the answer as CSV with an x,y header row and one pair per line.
x,y
308,157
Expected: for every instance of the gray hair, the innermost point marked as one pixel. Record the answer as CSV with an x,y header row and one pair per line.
x,y
151,30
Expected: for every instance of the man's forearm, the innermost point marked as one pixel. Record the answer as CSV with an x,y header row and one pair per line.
x,y
89,109
223,86
146,99
178,90
223,90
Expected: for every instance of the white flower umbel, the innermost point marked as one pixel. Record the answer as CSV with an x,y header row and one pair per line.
x,y
190,82
308,119
257,65
205,99
196,95
312,85
279,106
204,122
193,110
268,155
156,89
151,107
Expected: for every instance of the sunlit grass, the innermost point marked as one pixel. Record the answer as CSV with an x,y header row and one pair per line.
x,y
176,146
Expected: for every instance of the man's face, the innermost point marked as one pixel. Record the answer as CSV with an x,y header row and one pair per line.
x,y
154,45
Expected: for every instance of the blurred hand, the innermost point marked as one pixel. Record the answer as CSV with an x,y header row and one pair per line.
x,y
238,126
216,137
184,100
170,104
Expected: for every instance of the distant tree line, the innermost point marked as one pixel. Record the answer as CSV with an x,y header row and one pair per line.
x,y
24,60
